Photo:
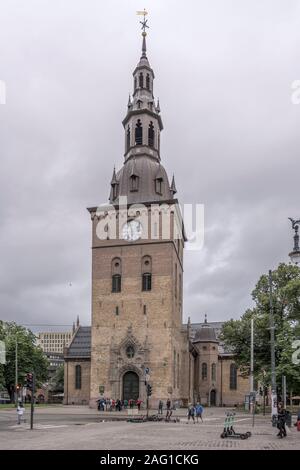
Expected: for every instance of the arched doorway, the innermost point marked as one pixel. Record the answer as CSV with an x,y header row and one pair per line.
x,y
131,386
213,398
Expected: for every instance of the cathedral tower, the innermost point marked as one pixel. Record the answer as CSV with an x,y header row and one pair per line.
x,y
137,270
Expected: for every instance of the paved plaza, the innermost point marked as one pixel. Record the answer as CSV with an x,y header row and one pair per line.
x,y
81,428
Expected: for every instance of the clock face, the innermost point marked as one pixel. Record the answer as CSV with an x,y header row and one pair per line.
x,y
132,231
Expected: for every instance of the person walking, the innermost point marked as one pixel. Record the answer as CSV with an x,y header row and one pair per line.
x,y
138,404
281,417
191,413
20,412
199,411
160,407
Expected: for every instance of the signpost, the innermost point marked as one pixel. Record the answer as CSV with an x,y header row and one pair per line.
x,y
30,379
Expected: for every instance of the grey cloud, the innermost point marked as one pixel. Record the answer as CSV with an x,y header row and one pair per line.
x,y
223,75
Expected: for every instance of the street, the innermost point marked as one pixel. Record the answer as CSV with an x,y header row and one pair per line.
x,y
82,428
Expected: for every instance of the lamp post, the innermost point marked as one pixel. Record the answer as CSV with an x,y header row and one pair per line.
x,y
295,254
272,341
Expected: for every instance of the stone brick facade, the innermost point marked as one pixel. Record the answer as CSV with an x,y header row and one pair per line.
x,y
77,395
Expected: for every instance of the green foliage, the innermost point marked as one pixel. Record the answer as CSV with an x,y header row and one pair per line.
x,y
236,334
57,381
30,356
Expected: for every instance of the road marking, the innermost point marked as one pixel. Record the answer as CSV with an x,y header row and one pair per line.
x,y
39,426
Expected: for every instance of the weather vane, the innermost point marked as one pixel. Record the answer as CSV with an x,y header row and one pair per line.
x,y
144,22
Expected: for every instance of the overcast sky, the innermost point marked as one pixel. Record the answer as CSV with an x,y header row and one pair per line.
x,y
231,135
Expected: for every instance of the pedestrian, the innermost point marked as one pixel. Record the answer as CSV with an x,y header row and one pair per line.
x,y
281,418
168,414
199,411
138,404
168,404
191,413
20,412
160,407
125,404
297,423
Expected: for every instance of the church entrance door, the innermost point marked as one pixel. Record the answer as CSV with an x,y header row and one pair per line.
x,y
213,396
131,386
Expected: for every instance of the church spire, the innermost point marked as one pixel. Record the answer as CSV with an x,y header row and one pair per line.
x,y
173,186
114,177
142,177
144,48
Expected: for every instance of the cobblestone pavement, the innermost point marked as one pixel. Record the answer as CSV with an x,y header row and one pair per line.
x,y
79,428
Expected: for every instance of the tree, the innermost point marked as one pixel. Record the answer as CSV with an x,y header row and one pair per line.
x,y
30,356
236,334
57,381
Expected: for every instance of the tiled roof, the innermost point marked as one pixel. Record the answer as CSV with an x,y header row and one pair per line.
x,y
81,343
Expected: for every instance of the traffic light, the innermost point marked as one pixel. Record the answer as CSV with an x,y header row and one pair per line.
x,y
149,390
29,381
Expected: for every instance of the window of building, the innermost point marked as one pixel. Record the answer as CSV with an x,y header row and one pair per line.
x,y
158,185
151,135
233,377
78,377
138,133
141,80
148,81
128,139
117,310
135,83
116,271
130,351
116,283
145,309
146,269
146,281
204,371
134,183
213,372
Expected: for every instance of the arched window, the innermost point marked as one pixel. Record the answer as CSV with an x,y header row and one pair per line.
x,y
130,351
233,377
135,83
116,271
151,135
128,139
148,81
134,183
204,371
213,372
78,377
146,273
138,133
141,80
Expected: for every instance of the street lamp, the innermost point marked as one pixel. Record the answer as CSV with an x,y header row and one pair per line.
x,y
295,254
